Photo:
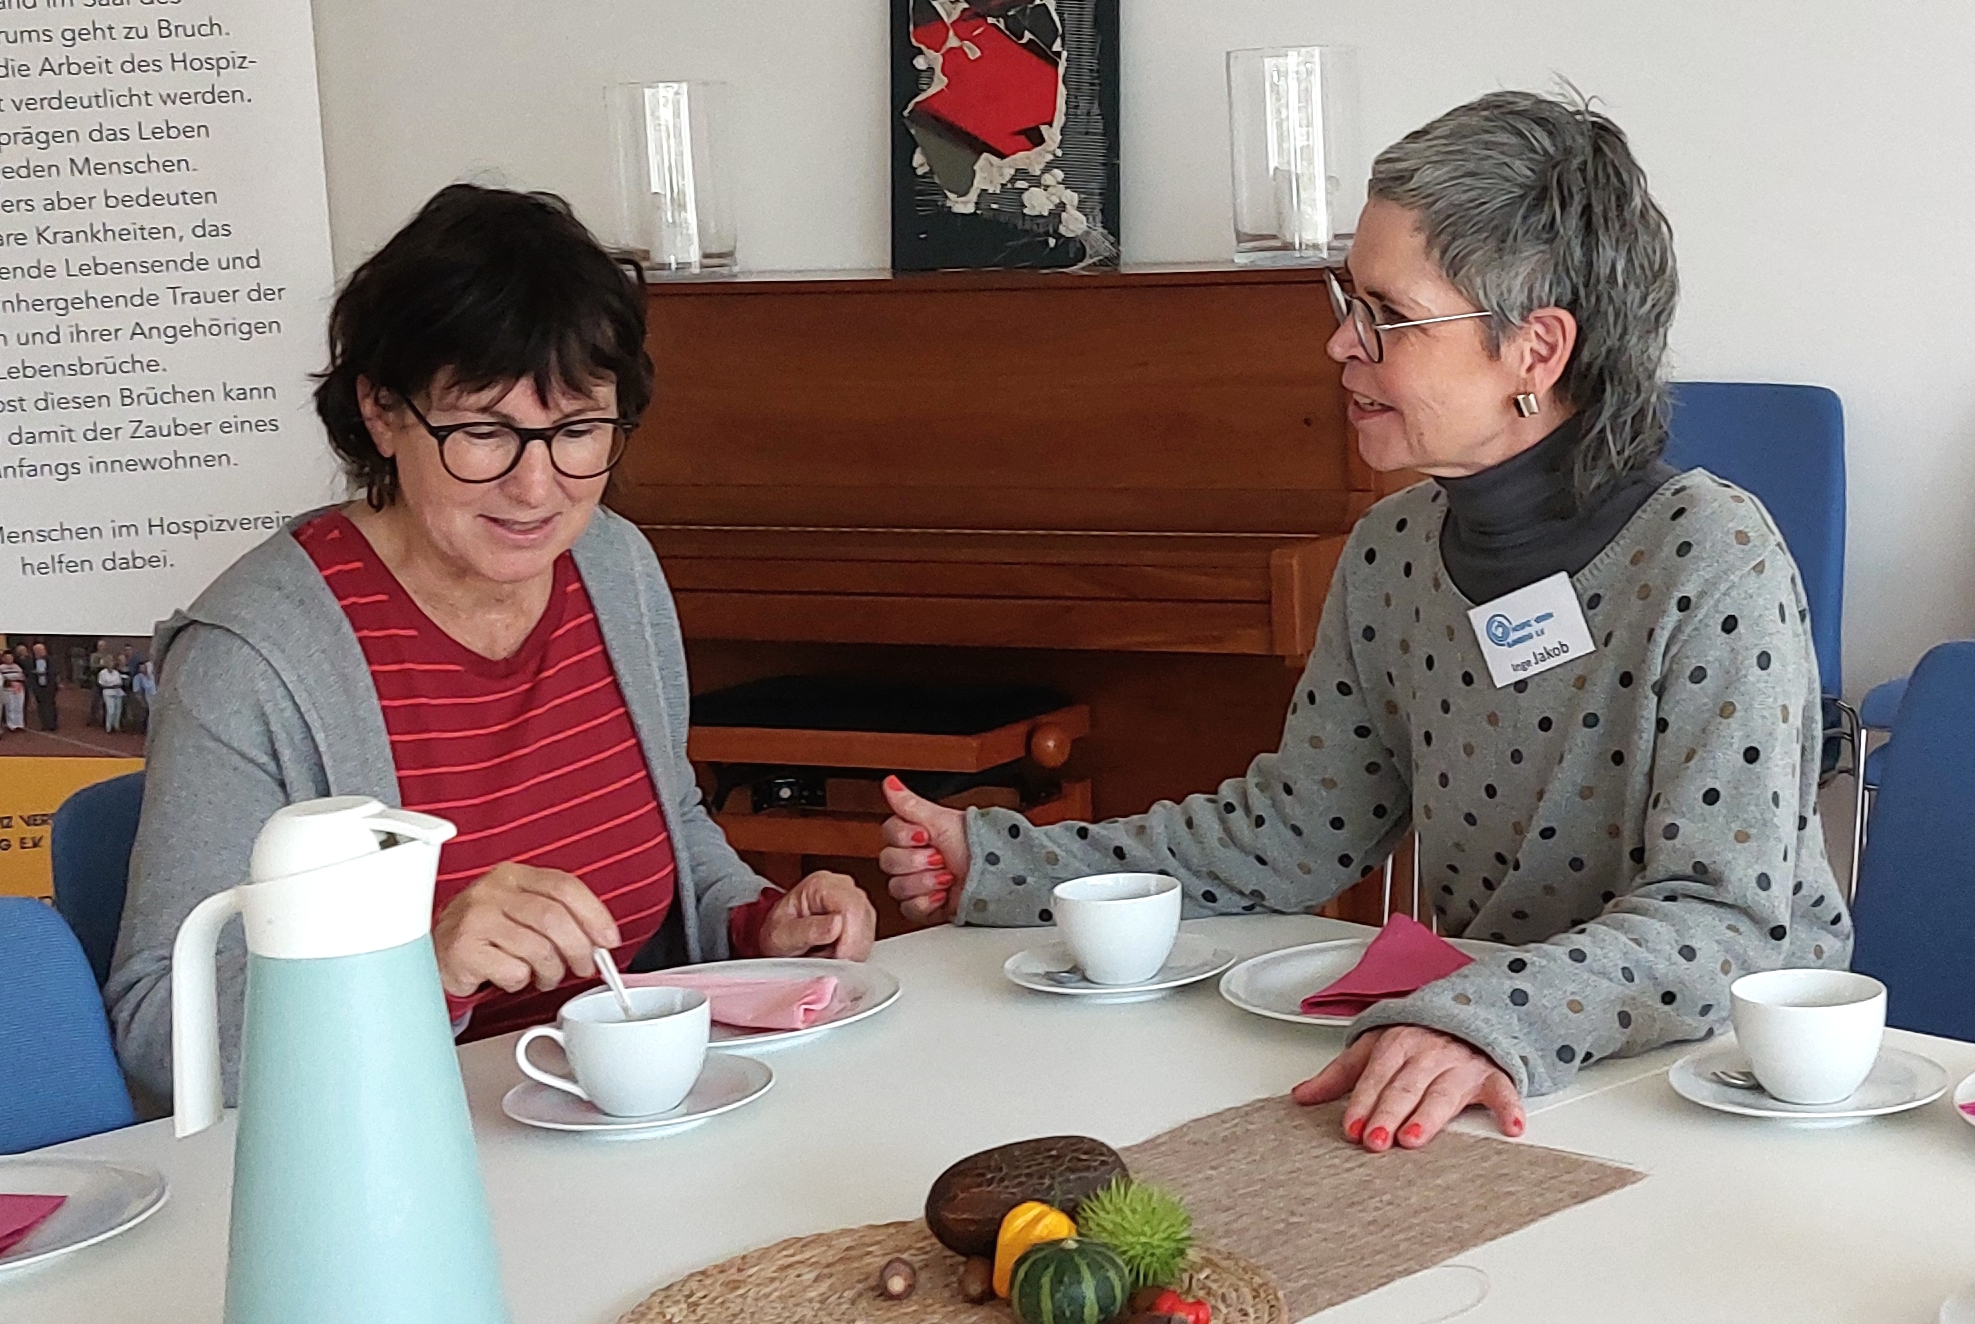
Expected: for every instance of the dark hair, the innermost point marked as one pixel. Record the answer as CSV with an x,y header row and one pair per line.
x,y
489,287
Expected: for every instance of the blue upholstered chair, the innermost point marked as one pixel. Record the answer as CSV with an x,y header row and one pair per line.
x,y
59,1078
90,845
1786,444
1916,909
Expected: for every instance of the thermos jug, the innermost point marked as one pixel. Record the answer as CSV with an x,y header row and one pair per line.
x,y
356,1186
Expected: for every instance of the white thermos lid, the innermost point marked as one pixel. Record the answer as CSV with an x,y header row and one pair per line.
x,y
315,835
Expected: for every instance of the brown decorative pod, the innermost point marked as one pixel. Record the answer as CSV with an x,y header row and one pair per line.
x,y
828,1277
969,1200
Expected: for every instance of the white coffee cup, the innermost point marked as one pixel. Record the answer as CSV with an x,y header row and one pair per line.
x,y
1811,1035
627,1068
1120,927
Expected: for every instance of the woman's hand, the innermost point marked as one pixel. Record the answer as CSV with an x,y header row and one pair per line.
x,y
826,914
925,854
516,925
1407,1082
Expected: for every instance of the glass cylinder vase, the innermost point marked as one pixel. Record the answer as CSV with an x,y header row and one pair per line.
x,y
670,141
1292,115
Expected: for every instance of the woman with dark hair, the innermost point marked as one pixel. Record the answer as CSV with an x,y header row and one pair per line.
x,y
475,637
1584,680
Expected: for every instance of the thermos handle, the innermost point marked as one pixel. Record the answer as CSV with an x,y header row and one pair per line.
x,y
195,1076
529,1069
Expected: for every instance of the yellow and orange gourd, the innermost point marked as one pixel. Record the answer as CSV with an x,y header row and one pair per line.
x,y
1029,1224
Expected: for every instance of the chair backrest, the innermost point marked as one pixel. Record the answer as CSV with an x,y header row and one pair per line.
x,y
1916,895
90,845
1786,444
59,1078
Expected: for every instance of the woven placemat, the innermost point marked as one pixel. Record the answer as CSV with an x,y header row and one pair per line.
x,y
1279,1184
833,1276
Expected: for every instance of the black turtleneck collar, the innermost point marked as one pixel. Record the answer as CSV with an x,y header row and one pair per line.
x,y
1521,521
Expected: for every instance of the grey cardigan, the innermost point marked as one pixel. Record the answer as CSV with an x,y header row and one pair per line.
x,y
264,699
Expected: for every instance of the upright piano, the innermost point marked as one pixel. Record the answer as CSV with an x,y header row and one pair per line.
x,y
1131,486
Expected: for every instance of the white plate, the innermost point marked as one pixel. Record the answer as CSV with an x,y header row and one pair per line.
x,y
1050,969
1900,1080
1274,984
1964,1099
728,1082
103,1200
1959,1308
862,990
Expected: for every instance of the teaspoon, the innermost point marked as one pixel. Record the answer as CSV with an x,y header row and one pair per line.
x,y
608,969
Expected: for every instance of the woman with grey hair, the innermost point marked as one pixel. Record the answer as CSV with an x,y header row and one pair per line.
x,y
1584,680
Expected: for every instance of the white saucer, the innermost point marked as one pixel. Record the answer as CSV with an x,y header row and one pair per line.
x,y
1050,969
1964,1099
1959,1308
862,990
728,1082
1274,984
1900,1080
103,1200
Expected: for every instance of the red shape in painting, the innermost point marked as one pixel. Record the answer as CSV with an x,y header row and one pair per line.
x,y
1000,97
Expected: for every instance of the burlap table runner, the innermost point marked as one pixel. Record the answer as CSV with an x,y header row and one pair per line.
x,y
1275,1190
1280,1185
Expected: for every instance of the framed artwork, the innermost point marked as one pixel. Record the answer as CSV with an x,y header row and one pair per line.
x,y
1005,134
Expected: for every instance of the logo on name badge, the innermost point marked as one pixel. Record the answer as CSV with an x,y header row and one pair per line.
x,y
1531,630
1504,633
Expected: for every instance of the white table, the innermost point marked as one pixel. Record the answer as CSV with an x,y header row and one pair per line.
x,y
1739,1220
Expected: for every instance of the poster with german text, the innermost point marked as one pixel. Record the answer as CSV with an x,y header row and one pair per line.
x,y
164,279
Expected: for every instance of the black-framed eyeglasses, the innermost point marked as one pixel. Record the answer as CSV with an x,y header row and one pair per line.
x,y
484,451
1371,331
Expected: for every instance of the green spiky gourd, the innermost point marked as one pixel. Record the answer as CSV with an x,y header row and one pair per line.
x,y
1069,1282
1148,1227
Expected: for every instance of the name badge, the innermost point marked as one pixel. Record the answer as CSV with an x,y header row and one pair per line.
x,y
1529,631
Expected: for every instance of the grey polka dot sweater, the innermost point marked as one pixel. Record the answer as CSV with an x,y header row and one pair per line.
x,y
1639,826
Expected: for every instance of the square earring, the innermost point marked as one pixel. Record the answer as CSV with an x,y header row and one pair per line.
x,y
1527,405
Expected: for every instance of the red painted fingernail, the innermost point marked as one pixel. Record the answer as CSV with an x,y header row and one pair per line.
x,y
920,838
1414,1132
1355,1128
943,879
1515,1126
1378,1137
894,784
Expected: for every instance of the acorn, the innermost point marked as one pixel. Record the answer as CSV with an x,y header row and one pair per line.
x,y
977,1280
897,1279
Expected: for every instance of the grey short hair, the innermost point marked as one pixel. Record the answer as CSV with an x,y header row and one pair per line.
x,y
1528,202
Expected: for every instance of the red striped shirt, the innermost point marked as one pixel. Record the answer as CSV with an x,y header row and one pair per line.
x,y
533,757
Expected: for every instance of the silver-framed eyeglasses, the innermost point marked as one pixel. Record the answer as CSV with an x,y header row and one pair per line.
x,y
485,451
1371,331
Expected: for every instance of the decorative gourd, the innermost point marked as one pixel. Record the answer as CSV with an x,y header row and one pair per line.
x,y
968,1202
1026,1225
1069,1282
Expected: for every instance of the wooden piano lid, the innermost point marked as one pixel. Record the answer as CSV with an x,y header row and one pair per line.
x,y
1139,461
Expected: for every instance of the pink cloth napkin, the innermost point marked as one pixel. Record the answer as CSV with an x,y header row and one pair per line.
x,y
754,1004
1405,957
21,1214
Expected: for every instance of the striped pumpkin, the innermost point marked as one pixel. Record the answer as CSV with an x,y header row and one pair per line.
x,y
1069,1282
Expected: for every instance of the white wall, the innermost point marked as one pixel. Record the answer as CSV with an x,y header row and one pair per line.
x,y
1814,156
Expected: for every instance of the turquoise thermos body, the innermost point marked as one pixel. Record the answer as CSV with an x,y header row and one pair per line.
x,y
357,1196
